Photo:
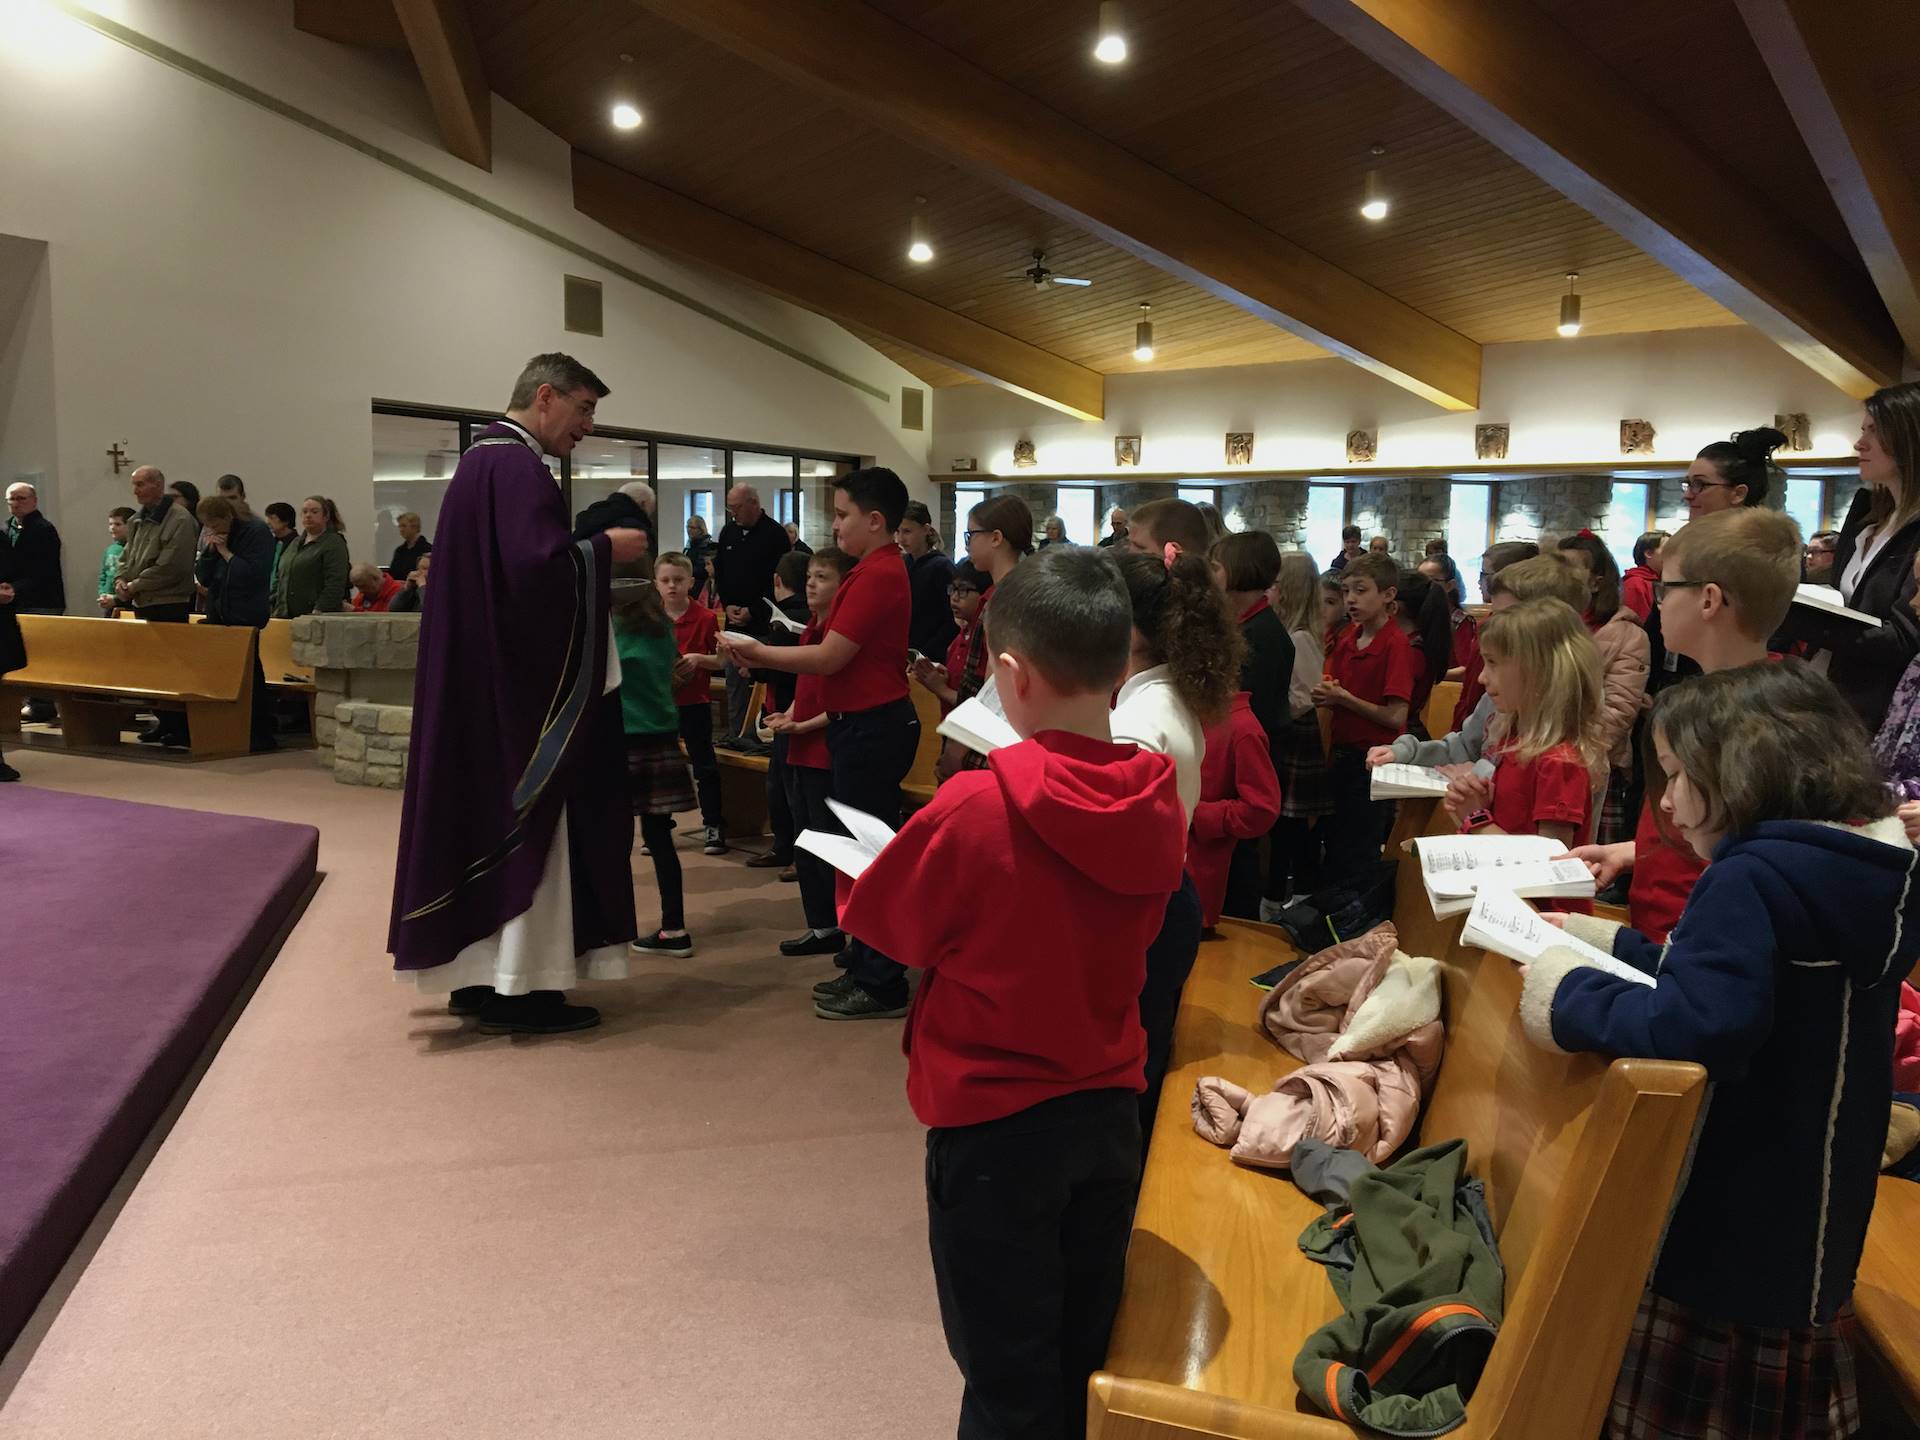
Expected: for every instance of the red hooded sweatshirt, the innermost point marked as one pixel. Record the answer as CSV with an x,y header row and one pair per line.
x,y
1028,892
1239,800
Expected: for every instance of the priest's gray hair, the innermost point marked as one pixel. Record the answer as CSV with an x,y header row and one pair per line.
x,y
641,494
564,373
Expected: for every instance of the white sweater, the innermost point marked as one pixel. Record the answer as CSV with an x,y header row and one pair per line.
x,y
1150,713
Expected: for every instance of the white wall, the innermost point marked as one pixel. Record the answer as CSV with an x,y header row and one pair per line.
x,y
27,447
230,289
1563,398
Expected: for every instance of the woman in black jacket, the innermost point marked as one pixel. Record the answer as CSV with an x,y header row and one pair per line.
x,y
1873,561
13,651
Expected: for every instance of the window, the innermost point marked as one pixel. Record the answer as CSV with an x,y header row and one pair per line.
x,y
1626,520
1469,511
1807,504
1200,495
700,507
786,507
413,461
1078,509
1326,516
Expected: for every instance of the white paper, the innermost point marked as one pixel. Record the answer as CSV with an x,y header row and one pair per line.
x,y
1395,782
850,854
1826,598
1447,854
978,728
785,624
869,830
736,637
1505,924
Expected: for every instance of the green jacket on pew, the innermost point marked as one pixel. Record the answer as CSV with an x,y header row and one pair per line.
x,y
1413,1259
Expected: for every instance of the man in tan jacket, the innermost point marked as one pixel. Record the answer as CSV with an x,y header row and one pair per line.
x,y
155,575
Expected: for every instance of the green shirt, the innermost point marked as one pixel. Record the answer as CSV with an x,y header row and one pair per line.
x,y
646,681
313,576
110,566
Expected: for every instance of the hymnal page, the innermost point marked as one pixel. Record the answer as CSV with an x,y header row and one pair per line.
x,y
978,728
1476,855
1455,867
849,854
1826,598
1396,782
1502,922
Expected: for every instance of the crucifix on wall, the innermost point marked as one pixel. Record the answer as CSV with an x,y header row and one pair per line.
x,y
117,452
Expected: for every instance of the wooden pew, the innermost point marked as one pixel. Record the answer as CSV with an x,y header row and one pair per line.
x,y
96,669
1440,704
1887,1294
285,675
1579,1157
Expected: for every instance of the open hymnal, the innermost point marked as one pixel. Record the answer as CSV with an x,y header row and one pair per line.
x,y
851,853
979,727
1826,599
1454,868
738,637
1502,922
1405,782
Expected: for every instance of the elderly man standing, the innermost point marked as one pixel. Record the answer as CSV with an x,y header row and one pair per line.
x,y
513,879
751,544
37,586
1117,529
156,573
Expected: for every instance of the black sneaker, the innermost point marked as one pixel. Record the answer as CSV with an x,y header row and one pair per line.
x,y
716,841
830,943
678,946
834,988
543,1012
857,1004
469,999
155,736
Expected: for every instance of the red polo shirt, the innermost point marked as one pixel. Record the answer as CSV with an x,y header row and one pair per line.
x,y
1386,670
694,633
872,608
809,751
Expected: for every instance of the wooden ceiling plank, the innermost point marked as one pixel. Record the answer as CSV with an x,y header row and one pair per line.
x,y
368,23
1510,72
662,220
1812,47
881,69
441,38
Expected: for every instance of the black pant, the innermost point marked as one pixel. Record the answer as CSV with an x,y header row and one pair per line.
x,y
657,831
1169,962
871,752
1246,877
780,816
739,691
696,729
1028,1219
807,789
168,722
1291,863
1358,826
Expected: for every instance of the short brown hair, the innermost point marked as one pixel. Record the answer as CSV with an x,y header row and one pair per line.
x,y
1753,555
1544,577
1248,560
122,513
1771,741
676,558
1383,570
215,510
1010,516
1177,522
832,557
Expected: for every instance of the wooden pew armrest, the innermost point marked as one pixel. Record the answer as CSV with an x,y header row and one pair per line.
x,y
1119,1408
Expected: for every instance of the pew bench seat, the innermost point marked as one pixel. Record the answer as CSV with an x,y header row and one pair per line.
x,y
1887,1294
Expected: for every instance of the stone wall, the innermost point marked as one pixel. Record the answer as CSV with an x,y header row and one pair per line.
x,y
1408,512
361,664
370,744
1552,507
1277,506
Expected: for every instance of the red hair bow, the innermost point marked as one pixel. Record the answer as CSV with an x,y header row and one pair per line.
x,y
1586,534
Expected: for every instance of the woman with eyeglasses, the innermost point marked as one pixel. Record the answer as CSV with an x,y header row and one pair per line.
x,y
1873,562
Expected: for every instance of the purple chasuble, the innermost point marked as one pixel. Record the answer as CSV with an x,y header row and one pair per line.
x,y
512,733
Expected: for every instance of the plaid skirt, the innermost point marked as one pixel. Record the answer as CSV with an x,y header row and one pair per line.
x,y
1304,792
1686,1377
658,780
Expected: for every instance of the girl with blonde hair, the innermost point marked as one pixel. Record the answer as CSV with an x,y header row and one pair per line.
x,y
1300,753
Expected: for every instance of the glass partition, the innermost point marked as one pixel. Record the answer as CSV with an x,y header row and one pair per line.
x,y
413,460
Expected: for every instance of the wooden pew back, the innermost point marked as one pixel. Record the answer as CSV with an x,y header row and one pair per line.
x,y
1440,705
276,654
918,787
1578,1158
138,657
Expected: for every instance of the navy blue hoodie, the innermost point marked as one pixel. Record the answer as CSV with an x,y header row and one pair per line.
x,y
1783,979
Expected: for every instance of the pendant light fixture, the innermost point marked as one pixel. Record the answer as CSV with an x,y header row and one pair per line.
x,y
626,115
1110,44
1143,337
1570,308
1373,203
919,245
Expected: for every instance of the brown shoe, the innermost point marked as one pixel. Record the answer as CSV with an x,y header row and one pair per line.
x,y
769,860
790,876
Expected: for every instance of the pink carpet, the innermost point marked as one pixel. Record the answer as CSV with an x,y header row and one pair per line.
x,y
109,997
704,1219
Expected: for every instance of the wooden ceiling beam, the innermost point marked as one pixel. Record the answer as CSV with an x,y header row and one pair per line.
x,y
1812,49
661,220
370,24
1510,72
448,59
878,68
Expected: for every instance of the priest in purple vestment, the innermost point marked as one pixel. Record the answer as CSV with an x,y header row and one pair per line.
x,y
516,841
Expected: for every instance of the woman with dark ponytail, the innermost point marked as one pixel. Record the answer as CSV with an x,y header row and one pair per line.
x,y
1873,561
1181,678
1730,473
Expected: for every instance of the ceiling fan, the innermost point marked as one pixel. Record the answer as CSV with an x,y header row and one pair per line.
x,y
1040,276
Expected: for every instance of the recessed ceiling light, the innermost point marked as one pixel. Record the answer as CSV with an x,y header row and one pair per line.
x,y
1570,308
1110,46
626,117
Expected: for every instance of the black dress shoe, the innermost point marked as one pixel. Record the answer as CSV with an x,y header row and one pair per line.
x,y
830,943
469,999
772,860
7,772
540,1012
156,736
